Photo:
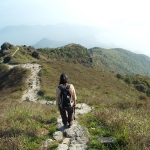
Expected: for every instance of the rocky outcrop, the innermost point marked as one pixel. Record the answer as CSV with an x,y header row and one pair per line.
x,y
7,59
4,52
35,55
6,46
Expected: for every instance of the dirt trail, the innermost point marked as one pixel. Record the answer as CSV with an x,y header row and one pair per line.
x,y
33,81
15,51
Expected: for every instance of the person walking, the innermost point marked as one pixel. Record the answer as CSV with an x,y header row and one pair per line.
x,y
66,100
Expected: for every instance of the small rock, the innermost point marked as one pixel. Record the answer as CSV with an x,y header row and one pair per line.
x,y
62,147
66,141
42,101
81,147
82,108
47,143
70,133
72,147
83,140
107,140
58,136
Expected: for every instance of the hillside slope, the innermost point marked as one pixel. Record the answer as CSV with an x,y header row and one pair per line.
x,y
120,110
71,53
120,61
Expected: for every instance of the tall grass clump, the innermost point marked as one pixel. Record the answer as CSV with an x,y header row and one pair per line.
x,y
25,126
130,126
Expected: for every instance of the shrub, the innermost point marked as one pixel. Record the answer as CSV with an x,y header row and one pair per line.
x,y
127,80
148,93
7,59
143,97
41,92
141,88
143,101
119,76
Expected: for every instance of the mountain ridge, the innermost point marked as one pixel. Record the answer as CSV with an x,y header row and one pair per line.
x,y
121,61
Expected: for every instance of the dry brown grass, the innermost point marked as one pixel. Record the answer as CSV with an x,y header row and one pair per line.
x,y
13,83
26,125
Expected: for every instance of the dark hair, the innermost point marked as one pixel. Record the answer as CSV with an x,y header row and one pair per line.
x,y
63,79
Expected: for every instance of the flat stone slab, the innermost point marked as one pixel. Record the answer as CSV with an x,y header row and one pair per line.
x,y
107,140
46,143
47,102
62,147
78,134
58,136
66,141
82,108
77,147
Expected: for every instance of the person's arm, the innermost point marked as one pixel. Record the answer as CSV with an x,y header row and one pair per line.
x,y
73,93
57,96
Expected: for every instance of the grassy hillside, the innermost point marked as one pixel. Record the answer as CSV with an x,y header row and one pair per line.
x,y
121,61
72,53
120,110
12,82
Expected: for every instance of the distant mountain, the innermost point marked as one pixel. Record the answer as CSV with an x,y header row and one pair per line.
x,y
120,61
30,35
43,43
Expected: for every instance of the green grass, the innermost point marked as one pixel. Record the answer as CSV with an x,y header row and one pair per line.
x,y
22,56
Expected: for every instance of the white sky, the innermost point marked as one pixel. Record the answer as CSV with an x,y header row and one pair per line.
x,y
125,23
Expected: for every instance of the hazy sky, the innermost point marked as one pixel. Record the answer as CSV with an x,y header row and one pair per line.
x,y
125,23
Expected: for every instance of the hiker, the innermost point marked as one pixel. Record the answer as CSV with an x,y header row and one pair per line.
x,y
66,100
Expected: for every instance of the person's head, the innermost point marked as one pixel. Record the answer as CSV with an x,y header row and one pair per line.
x,y
63,79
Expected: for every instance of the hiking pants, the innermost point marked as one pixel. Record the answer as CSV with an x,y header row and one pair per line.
x,y
66,115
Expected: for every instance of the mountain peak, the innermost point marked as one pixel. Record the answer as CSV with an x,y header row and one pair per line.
x,y
46,43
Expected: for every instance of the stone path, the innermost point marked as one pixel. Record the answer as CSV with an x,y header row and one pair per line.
x,y
74,138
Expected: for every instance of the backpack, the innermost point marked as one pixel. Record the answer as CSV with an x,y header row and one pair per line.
x,y
65,97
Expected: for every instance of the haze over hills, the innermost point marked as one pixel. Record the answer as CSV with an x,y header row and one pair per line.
x,y
87,36
43,43
30,35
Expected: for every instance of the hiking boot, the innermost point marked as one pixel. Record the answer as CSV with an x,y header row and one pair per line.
x,y
66,126
70,125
